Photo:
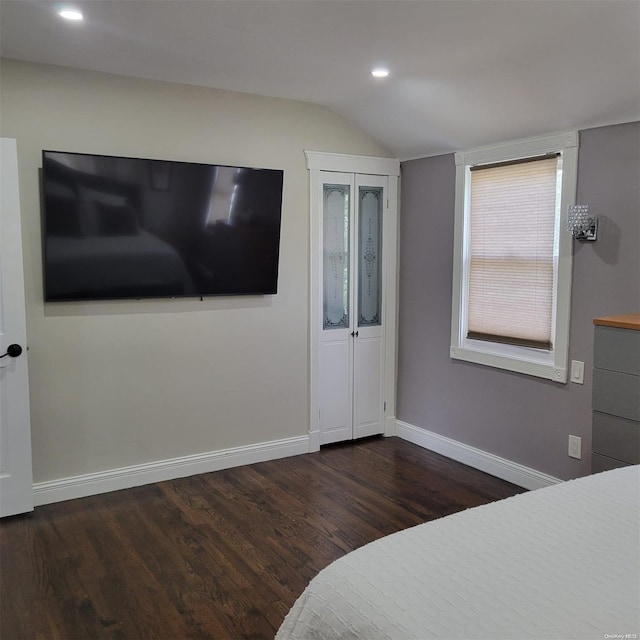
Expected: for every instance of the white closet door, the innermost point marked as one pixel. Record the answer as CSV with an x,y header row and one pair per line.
x,y
353,206
336,342
351,350
368,343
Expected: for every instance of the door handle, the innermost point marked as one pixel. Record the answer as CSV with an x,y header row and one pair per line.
x,y
354,333
13,351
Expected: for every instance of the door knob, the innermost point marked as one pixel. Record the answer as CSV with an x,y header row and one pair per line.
x,y
13,351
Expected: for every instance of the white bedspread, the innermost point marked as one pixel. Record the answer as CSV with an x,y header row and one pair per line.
x,y
553,564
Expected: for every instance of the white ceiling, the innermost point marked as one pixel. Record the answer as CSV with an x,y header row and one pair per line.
x,y
465,73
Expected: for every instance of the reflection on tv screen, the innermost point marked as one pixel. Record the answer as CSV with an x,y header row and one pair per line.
x,y
133,228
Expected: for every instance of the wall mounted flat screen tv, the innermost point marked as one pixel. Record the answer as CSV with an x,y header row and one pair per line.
x,y
117,228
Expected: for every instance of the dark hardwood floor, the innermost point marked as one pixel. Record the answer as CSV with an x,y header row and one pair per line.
x,y
221,555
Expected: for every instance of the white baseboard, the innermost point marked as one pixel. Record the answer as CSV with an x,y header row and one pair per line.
x,y
476,458
140,474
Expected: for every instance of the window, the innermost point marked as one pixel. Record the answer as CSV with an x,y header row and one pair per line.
x,y
512,257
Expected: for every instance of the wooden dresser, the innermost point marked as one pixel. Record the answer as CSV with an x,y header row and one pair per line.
x,y
616,392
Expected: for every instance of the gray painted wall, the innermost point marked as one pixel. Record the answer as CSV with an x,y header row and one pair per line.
x,y
518,417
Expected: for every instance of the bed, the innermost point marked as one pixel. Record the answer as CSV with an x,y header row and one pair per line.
x,y
555,563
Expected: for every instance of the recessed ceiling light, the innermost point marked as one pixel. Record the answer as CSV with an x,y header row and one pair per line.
x,y
71,14
380,72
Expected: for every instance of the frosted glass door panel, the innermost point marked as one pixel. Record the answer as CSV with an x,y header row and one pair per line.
x,y
335,267
370,256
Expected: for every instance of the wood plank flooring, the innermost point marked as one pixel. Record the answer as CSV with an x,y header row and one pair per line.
x,y
221,555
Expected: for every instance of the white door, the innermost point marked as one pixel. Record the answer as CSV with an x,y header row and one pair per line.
x,y
351,350
16,481
368,343
336,346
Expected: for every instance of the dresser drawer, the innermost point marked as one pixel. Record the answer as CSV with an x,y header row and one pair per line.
x,y
604,463
616,393
616,437
617,350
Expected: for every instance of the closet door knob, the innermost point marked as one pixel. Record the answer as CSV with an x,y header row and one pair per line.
x,y
13,351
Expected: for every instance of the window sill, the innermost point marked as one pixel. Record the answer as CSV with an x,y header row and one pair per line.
x,y
540,366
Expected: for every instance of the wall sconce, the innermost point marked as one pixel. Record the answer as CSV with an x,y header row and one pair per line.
x,y
580,224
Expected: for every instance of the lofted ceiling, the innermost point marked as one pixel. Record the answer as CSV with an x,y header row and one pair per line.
x,y
464,73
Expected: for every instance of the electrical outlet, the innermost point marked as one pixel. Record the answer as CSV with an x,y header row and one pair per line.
x,y
575,447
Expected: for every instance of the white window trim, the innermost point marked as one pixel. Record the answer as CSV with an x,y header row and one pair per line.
x,y
550,365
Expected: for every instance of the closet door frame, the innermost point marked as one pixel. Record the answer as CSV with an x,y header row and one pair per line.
x,y
318,163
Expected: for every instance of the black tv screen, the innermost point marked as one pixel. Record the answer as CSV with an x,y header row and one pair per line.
x,y
116,228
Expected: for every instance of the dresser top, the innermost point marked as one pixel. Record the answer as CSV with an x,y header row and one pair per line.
x,y
623,321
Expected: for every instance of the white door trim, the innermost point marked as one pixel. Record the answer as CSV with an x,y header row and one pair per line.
x,y
341,163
